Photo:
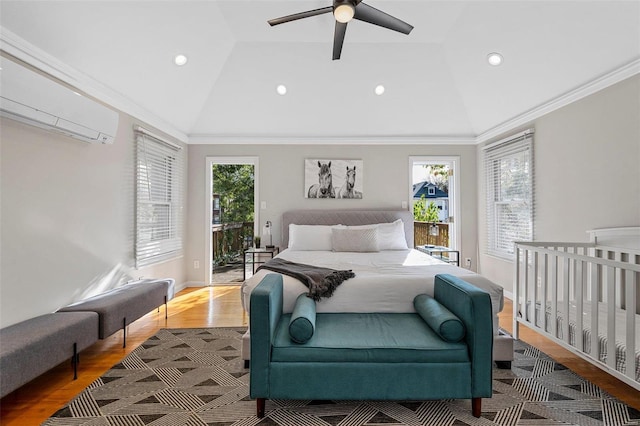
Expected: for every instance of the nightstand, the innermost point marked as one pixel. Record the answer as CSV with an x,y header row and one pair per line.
x,y
439,253
256,256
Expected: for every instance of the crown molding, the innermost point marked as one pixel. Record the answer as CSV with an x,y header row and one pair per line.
x,y
26,52
591,87
200,139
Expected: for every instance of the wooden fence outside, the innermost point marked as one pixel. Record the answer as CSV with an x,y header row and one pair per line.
x,y
230,240
423,236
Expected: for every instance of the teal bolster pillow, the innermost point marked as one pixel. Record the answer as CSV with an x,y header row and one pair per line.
x,y
303,319
440,319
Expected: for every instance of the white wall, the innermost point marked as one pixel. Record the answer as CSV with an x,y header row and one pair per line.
x,y
66,219
281,180
587,171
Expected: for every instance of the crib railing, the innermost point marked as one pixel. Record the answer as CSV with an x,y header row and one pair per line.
x,y
585,298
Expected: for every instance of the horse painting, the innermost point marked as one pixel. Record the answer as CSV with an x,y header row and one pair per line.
x,y
346,190
324,187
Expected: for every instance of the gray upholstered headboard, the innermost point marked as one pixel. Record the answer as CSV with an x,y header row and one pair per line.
x,y
345,217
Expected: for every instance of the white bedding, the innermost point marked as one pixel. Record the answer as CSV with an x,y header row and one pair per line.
x,y
385,281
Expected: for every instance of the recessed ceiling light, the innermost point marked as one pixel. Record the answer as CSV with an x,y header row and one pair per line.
x,y
180,60
281,89
494,59
379,90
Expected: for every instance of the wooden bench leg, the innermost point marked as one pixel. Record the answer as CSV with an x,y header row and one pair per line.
x,y
476,407
260,402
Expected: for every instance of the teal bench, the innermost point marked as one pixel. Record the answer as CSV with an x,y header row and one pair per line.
x,y
373,356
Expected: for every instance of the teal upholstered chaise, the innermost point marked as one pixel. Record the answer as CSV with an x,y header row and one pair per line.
x,y
443,351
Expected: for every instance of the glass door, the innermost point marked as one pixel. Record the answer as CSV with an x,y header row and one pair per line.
x,y
233,217
434,201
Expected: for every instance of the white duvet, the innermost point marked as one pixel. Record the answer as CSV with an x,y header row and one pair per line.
x,y
385,281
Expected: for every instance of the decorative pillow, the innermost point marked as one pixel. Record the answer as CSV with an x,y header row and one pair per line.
x,y
357,240
303,319
391,236
310,237
440,319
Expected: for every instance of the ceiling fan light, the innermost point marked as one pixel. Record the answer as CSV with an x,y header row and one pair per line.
x,y
344,13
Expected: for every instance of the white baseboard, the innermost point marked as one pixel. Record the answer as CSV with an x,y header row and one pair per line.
x,y
194,284
179,287
202,284
508,294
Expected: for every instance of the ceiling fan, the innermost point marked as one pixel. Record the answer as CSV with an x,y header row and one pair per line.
x,y
343,12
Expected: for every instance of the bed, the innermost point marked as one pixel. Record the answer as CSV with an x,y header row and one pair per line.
x,y
589,293
386,280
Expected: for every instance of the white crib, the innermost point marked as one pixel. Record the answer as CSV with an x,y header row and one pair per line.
x,y
589,294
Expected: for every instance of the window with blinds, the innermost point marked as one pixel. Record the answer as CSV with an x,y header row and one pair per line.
x,y
509,189
159,195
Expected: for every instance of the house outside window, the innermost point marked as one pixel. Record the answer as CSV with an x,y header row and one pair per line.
x,y
509,191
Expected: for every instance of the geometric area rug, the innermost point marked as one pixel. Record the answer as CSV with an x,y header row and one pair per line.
x,y
196,377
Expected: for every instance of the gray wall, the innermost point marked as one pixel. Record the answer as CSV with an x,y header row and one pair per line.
x,y
66,219
281,181
587,171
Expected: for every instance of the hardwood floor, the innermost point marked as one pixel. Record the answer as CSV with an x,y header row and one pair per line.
x,y
214,307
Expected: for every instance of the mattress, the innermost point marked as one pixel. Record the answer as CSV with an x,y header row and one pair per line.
x,y
385,281
587,333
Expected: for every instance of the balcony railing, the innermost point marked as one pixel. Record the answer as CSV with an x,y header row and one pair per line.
x,y
230,239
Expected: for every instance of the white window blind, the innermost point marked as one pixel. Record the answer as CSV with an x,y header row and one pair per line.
x,y
509,189
159,198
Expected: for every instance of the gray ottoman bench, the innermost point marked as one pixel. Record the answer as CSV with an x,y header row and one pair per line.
x,y
32,347
121,306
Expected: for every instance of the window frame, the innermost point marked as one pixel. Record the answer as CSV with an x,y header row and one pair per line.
x,y
159,184
501,235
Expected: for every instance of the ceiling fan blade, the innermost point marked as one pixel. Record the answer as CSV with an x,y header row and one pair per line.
x,y
338,39
369,14
301,15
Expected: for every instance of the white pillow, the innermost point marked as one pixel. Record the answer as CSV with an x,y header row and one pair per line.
x,y
360,239
310,237
391,236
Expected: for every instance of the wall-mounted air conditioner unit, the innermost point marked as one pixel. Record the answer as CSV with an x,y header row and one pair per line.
x,y
32,98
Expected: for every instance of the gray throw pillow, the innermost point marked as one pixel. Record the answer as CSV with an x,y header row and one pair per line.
x,y
356,240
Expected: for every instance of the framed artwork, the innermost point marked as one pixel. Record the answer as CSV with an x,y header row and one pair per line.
x,y
333,178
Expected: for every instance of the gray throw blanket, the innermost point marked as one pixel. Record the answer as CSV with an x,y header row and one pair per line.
x,y
321,281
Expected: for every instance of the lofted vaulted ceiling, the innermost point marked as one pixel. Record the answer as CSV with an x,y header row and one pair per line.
x,y
437,81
